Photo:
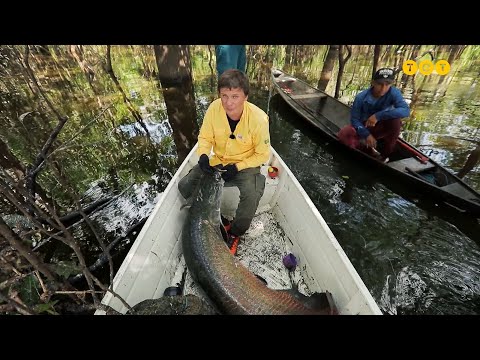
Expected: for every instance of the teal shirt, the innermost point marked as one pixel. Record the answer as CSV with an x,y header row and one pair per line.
x,y
230,57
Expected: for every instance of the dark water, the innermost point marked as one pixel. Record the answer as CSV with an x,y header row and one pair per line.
x,y
411,260
414,257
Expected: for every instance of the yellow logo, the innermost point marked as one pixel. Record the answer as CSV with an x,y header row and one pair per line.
x,y
442,67
426,67
409,67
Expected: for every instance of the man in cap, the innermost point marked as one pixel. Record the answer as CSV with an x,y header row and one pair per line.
x,y
376,116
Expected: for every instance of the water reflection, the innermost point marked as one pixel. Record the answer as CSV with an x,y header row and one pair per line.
x,y
441,105
407,255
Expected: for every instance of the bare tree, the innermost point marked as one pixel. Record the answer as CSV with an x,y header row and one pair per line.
x,y
376,56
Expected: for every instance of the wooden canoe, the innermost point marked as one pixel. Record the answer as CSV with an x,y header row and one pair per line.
x,y
407,164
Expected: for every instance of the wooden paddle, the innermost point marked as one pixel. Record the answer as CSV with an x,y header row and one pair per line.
x,y
423,159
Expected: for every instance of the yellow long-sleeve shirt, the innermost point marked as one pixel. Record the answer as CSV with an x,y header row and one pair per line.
x,y
251,146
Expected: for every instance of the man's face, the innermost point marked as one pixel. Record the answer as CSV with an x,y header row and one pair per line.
x,y
232,101
380,88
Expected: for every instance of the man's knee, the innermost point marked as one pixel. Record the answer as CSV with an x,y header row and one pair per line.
x,y
348,136
397,126
250,195
250,182
259,185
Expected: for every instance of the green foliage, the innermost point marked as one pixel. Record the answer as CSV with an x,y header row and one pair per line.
x,y
66,268
29,290
46,308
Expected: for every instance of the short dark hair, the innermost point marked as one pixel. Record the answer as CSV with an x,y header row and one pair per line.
x,y
234,78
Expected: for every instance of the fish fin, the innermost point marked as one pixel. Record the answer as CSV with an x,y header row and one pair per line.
x,y
322,302
188,204
261,279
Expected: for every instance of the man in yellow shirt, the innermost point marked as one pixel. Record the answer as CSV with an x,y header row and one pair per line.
x,y
238,133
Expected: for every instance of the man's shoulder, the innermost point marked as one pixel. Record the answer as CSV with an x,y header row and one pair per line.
x,y
395,92
257,112
362,94
215,103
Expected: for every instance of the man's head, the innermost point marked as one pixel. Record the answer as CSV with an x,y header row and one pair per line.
x,y
234,78
233,88
382,80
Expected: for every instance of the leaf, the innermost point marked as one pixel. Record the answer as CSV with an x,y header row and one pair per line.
x,y
67,268
345,177
29,290
47,307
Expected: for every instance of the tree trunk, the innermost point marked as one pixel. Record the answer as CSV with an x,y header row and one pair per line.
x,y
455,53
289,54
376,56
328,65
341,65
175,75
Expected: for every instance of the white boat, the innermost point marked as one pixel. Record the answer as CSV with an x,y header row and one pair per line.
x,y
286,222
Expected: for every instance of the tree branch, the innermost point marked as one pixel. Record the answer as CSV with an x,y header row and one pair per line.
x,y
39,160
126,100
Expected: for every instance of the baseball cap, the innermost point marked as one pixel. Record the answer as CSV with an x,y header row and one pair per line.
x,y
384,75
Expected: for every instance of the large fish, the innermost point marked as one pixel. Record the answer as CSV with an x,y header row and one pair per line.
x,y
227,282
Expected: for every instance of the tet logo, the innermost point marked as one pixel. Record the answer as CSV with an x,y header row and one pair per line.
x,y
410,67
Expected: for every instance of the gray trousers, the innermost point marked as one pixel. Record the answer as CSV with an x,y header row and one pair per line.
x,y
251,185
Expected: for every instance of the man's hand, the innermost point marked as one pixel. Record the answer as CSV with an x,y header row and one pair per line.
x,y
371,141
371,121
204,164
231,171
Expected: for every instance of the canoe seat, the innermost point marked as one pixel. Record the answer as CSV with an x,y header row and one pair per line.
x,y
459,190
411,163
308,96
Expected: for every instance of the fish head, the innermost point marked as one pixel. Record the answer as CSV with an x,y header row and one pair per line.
x,y
209,196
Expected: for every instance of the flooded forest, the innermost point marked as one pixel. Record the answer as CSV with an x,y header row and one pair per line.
x,y
90,137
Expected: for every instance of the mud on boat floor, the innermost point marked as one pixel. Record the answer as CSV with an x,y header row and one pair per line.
x,y
261,250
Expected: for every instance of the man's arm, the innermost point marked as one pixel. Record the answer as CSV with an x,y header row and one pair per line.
x,y
356,117
261,139
398,110
205,137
